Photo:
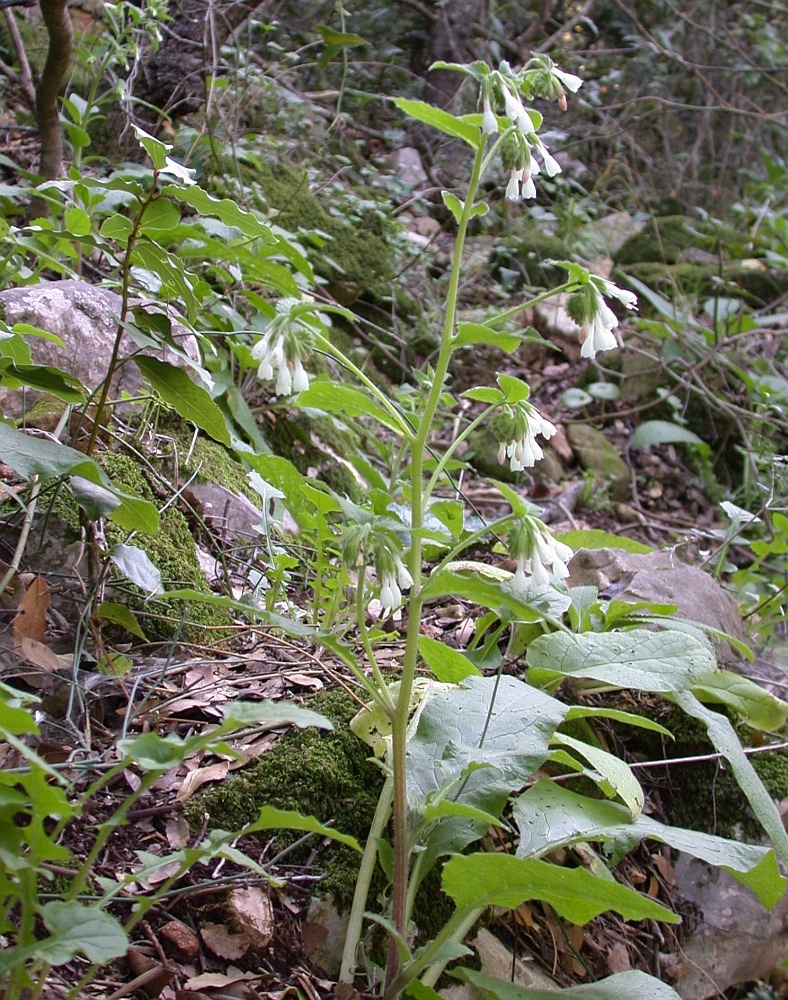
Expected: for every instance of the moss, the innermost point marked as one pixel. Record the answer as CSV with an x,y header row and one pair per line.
x,y
323,774
698,280
527,254
360,257
299,439
172,551
705,796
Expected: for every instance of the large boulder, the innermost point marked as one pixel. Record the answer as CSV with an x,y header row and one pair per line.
x,y
85,318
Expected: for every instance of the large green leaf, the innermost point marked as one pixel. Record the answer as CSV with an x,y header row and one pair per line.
x,y
551,816
43,378
479,880
664,432
191,401
723,736
136,566
477,583
650,661
594,538
439,119
632,985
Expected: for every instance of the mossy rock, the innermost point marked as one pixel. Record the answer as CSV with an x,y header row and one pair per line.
x,y
749,282
599,457
527,254
316,445
664,239
705,796
328,775
172,551
350,256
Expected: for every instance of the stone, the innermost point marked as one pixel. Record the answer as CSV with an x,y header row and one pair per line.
x,y
611,232
555,324
85,318
497,961
660,577
737,939
407,165
598,456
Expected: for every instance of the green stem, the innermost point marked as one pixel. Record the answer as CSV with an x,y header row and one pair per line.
x,y
463,436
327,347
435,971
455,929
385,696
400,720
363,882
568,286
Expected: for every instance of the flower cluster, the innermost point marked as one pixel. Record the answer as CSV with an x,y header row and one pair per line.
x,y
597,320
518,426
541,558
363,544
503,87
280,352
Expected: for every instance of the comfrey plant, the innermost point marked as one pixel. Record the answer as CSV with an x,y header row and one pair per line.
x,y
458,748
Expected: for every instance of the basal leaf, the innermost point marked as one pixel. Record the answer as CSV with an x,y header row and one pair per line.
x,y
480,880
119,614
279,713
663,432
650,661
549,816
631,985
618,778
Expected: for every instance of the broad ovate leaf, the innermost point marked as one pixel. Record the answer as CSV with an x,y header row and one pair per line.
x,y
649,661
631,985
550,816
75,928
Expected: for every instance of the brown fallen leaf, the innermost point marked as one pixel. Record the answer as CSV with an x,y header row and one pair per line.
x,y
30,620
193,780
223,942
618,958
41,656
254,914
207,980
177,832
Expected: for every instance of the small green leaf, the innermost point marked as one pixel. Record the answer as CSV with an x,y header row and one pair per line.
x,y
594,538
604,390
439,119
454,205
282,819
136,566
334,398
160,216
190,401
514,389
627,718
119,614
575,398
277,713
448,665
95,500
477,333
754,705
155,149
480,880
116,227
152,752
480,208
225,209
340,39
484,394
76,221
43,378
663,432
76,928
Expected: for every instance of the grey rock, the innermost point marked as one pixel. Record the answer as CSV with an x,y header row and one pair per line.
x,y
407,165
598,456
660,577
737,940
555,324
612,231
85,318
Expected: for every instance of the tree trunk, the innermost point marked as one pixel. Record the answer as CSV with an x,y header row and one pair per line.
x,y
452,31
58,25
